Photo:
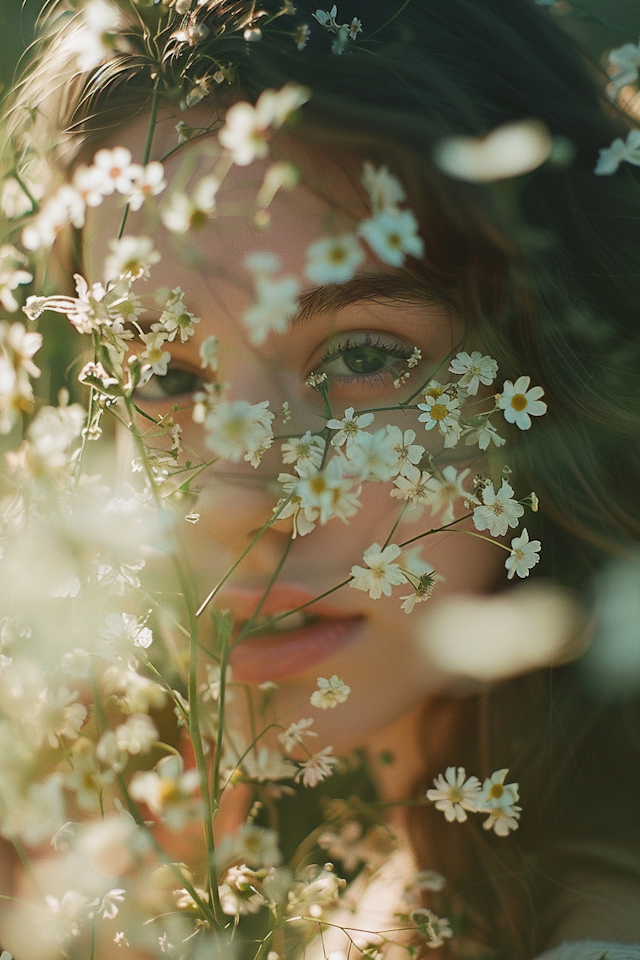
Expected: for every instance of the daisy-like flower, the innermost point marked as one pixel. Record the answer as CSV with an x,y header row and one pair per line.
x,y
442,412
169,791
372,457
497,793
12,275
445,491
292,736
317,768
620,151
117,170
498,511
181,212
246,127
624,65
175,318
407,452
381,573
276,299
454,794
393,236
238,427
524,555
130,255
154,355
208,353
435,929
65,207
333,259
502,821
413,485
473,369
349,428
148,182
328,492
521,403
385,191
329,693
484,435
304,451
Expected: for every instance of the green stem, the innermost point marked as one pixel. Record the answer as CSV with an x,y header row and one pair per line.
x,y
153,116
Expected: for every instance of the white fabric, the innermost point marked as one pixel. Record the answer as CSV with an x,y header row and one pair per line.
x,y
593,950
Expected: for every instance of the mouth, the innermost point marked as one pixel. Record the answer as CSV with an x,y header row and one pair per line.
x,y
282,644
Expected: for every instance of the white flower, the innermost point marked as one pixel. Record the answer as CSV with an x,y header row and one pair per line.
x,y
524,555
454,794
92,41
246,127
382,572
208,353
12,275
521,403
473,370
348,428
611,157
406,450
393,236
130,255
117,170
294,733
445,491
148,182
255,846
157,358
137,735
484,434
496,793
373,456
333,259
275,305
422,590
168,791
329,693
123,630
237,427
182,212
624,63
66,206
502,821
435,929
413,485
442,412
57,714
317,768
498,511
510,150
263,765
110,903
240,893
385,191
304,451
327,493
175,318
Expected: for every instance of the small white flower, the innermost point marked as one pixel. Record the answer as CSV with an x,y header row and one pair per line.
x,y
169,791
624,64
524,555
246,127
407,452
435,929
385,191
325,494
157,358
620,151
208,353
422,590
348,428
473,369
442,412
181,212
382,572
92,41
237,427
498,511
484,435
12,275
294,733
497,793
454,794
117,170
413,485
333,259
329,693
304,451
317,768
147,182
275,306
373,456
445,492
502,821
130,255
175,318
392,236
110,903
137,735
509,150
521,403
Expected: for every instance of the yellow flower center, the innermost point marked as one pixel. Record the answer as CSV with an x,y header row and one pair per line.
x,y
496,791
438,411
519,402
337,255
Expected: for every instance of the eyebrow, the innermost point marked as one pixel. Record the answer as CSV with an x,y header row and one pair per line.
x,y
373,287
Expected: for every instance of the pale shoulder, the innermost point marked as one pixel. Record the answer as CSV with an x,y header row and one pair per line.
x,y
592,950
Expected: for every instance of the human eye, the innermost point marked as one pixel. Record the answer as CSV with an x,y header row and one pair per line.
x,y
363,358
178,382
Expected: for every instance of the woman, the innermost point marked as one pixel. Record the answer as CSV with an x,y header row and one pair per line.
x,y
528,268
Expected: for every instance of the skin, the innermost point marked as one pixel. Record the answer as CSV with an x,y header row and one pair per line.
x,y
386,666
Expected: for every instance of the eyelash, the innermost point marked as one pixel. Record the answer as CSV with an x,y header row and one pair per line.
x,y
389,347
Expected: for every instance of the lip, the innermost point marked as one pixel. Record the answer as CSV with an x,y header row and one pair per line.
x,y
275,656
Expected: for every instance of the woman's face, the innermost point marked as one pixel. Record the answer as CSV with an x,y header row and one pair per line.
x,y
373,645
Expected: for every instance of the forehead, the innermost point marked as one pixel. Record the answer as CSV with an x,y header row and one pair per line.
x,y
327,199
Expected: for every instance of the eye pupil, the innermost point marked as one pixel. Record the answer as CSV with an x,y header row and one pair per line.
x,y
178,381
364,359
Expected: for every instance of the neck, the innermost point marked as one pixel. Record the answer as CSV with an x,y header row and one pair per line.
x,y
396,759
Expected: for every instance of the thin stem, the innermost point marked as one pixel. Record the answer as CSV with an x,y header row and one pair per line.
x,y
153,116
302,605
272,580
395,526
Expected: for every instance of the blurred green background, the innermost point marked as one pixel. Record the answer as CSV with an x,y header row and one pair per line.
x,y
17,21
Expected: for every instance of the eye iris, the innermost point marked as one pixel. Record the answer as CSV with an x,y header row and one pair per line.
x,y
364,359
178,381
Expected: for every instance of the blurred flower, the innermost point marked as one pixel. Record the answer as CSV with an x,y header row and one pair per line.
x,y
244,133
236,427
316,768
624,63
385,191
181,212
620,151
130,255
12,275
393,236
333,259
510,150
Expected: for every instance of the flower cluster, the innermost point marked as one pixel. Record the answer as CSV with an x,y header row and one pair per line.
x,y
455,795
